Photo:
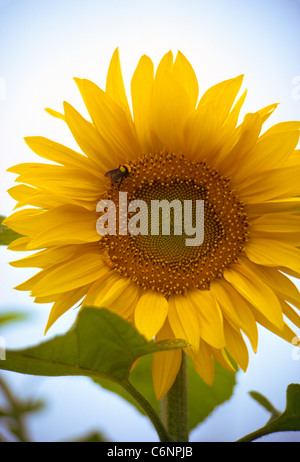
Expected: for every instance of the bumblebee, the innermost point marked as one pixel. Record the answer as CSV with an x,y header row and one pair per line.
x,y
119,173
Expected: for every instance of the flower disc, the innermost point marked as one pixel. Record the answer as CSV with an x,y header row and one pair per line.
x,y
166,262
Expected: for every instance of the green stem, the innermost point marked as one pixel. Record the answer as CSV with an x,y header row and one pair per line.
x,y
175,406
253,436
146,406
270,427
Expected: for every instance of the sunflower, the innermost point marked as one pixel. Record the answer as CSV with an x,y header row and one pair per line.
x,y
213,294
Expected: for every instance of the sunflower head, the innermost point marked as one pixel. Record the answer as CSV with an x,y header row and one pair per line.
x,y
176,151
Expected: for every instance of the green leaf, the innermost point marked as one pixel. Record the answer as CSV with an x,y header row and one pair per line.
x,y
100,345
7,235
202,398
289,420
264,402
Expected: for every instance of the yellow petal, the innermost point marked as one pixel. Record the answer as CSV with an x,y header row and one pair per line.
x,y
48,299
115,85
18,192
236,347
210,317
37,260
54,255
221,356
294,157
279,183
267,111
165,365
110,119
141,92
235,309
184,73
47,200
184,320
290,313
204,363
150,313
274,278
201,133
56,152
277,206
170,109
256,293
64,302
282,127
59,179
19,244
31,282
100,288
165,65
25,221
273,253
28,195
285,332
276,222
61,226
90,141
56,114
282,227
270,152
232,118
75,273
121,297
249,132
222,96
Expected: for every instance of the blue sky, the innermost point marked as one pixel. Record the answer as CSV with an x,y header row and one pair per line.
x,y
43,46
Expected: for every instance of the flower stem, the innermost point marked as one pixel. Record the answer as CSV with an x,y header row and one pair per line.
x,y
148,409
175,406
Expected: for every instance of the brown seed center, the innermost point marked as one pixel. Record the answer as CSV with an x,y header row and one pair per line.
x,y
164,262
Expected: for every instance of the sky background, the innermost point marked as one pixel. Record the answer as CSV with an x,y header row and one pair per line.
x,y
43,45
